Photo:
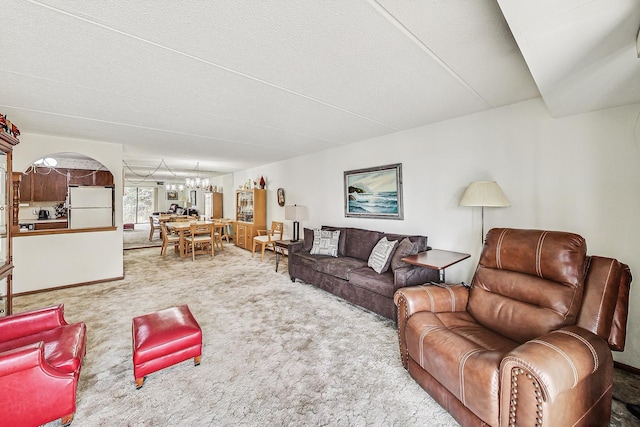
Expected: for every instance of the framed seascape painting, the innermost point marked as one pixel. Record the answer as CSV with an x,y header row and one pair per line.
x,y
374,192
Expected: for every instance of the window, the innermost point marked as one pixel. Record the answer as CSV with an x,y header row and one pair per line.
x,y
137,204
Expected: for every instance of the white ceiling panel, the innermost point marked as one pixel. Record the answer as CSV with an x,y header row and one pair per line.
x,y
580,52
238,84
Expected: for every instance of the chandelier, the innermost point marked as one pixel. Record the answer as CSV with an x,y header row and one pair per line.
x,y
197,183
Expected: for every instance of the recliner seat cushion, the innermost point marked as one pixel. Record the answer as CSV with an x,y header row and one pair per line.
x,y
462,355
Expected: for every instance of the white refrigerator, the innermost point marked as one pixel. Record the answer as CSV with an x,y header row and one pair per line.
x,y
90,206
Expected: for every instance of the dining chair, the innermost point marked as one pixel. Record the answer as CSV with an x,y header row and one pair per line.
x,y
167,239
226,230
154,225
265,238
201,239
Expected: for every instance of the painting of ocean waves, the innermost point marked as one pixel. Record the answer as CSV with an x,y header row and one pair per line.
x,y
374,192
385,202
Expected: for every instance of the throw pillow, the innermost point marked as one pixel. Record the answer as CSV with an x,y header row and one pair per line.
x,y
307,243
325,242
380,257
405,248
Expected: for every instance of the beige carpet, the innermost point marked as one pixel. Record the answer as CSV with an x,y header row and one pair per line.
x,y
139,238
276,353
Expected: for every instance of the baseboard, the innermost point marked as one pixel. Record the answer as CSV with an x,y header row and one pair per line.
x,y
627,368
75,285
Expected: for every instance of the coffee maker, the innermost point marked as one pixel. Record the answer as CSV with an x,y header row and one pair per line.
x,y
43,214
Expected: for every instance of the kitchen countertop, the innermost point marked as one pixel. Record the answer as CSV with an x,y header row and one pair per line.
x,y
36,221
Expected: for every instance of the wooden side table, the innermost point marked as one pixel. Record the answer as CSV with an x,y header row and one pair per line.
x,y
280,246
436,259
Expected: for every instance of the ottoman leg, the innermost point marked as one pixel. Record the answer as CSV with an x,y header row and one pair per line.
x,y
196,360
140,382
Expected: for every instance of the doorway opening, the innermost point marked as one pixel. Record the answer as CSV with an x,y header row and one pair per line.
x,y
138,204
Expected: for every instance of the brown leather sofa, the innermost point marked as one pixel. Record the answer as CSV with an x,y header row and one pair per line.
x,y
529,343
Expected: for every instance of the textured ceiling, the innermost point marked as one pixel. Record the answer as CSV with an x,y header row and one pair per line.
x,y
233,85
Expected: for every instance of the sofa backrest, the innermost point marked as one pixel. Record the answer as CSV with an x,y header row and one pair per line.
x,y
359,243
421,240
528,282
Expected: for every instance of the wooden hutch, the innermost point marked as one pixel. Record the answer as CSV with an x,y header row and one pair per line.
x,y
251,216
8,210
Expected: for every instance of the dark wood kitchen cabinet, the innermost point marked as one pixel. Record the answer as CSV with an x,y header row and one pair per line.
x,y
45,185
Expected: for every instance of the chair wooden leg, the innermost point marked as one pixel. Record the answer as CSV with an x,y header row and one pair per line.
x,y
66,420
140,382
151,234
262,254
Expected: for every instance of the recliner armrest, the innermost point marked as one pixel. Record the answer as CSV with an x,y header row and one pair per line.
x,y
433,298
548,367
436,299
31,322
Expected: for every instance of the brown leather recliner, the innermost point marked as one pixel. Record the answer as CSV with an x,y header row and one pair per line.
x,y
529,343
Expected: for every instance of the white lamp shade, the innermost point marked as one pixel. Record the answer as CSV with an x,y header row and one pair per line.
x,y
294,213
484,193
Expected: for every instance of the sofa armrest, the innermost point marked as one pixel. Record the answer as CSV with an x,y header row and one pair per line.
x,y
540,371
295,247
34,384
31,322
413,275
433,298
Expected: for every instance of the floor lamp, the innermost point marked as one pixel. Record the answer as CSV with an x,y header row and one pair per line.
x,y
484,193
295,213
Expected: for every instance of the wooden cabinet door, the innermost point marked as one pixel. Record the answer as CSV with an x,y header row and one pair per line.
x,y
80,177
103,178
49,185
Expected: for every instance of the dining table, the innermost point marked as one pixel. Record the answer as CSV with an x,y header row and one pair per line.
x,y
183,227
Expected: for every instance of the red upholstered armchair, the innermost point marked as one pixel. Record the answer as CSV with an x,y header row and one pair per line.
x,y
40,361
530,342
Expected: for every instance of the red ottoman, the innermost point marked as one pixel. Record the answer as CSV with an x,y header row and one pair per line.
x,y
164,338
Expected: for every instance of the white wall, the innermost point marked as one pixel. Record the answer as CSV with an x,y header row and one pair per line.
x,y
578,174
63,259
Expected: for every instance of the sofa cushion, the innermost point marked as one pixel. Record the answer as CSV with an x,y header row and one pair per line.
x,y
325,242
359,243
405,248
63,346
339,267
308,261
366,278
380,257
